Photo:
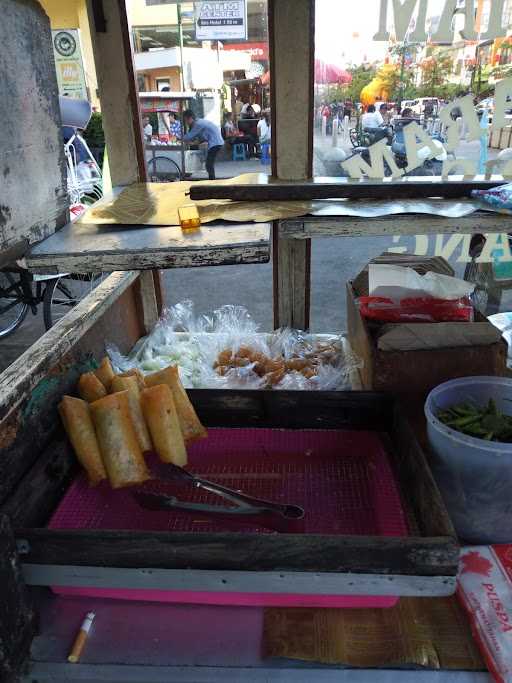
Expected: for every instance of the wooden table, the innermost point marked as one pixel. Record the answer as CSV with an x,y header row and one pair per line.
x,y
81,248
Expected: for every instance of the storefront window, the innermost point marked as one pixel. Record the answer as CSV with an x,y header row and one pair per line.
x,y
224,80
369,89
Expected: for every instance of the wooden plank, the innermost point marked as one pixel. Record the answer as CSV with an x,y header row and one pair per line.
x,y
147,298
272,670
117,89
32,387
17,618
401,224
83,248
294,583
292,260
33,201
23,375
340,188
416,482
291,40
40,490
410,556
292,409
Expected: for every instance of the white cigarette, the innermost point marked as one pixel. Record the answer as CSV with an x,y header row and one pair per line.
x,y
81,637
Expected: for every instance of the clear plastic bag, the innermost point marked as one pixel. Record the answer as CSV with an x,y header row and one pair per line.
x,y
224,350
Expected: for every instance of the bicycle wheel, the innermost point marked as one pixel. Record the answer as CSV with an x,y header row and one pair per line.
x,y
64,293
354,137
13,309
486,296
163,169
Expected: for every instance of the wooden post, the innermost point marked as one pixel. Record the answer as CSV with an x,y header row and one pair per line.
x,y
117,90
17,619
119,100
291,36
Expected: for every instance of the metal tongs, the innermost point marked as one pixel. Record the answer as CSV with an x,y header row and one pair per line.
x,y
247,510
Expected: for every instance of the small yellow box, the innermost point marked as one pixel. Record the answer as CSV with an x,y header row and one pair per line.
x,y
189,217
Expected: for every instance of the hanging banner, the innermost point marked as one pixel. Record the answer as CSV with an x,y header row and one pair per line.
x,y
221,20
69,64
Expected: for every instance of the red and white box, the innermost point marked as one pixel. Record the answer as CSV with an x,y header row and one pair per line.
x,y
485,590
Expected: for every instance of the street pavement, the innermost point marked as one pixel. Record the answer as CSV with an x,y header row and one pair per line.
x,y
334,261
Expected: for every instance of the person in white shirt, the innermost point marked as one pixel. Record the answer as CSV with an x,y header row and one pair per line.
x,y
372,118
148,129
264,129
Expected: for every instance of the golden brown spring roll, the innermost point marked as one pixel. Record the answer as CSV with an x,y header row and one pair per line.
x,y
105,373
131,385
162,419
118,442
90,388
190,425
76,417
134,372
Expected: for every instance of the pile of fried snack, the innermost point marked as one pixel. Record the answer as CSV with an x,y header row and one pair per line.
x,y
273,370
120,417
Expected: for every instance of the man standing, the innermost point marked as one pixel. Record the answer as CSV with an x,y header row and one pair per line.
x,y
204,131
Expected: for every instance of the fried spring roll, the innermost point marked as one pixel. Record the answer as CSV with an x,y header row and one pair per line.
x,y
131,385
134,372
77,421
90,388
162,419
190,425
118,442
104,372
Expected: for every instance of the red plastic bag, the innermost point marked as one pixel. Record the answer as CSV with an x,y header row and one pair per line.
x,y
416,309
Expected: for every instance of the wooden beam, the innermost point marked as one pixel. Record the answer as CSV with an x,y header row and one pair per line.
x,y
291,37
20,378
251,552
341,188
17,618
401,224
292,262
118,93
148,300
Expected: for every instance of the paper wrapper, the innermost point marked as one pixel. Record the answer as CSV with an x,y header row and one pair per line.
x,y
425,632
158,204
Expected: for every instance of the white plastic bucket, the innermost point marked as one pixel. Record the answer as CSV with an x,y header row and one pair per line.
x,y
473,475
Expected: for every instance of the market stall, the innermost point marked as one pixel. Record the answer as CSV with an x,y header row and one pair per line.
x,y
167,156
360,521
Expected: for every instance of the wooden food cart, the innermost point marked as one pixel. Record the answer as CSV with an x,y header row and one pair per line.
x,y
169,160
36,466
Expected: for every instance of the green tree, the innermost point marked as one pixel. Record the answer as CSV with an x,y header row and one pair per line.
x,y
361,76
400,82
435,70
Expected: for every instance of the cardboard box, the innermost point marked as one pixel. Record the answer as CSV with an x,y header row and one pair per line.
x,y
410,359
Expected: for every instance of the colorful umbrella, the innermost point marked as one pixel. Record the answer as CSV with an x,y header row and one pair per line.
x,y
324,74
330,73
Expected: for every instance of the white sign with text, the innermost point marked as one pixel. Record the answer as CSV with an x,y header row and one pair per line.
x,y
221,20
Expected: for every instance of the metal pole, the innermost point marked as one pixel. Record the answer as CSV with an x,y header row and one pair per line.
x,y
180,36
402,67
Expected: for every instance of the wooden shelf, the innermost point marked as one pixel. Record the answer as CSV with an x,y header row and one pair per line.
x,y
393,224
82,248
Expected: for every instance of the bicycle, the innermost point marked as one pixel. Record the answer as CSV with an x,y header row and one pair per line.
x,y
359,137
163,169
21,292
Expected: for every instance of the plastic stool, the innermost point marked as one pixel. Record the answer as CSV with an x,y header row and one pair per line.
x,y
265,154
239,152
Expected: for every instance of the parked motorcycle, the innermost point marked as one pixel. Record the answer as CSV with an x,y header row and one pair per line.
x,y
395,135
